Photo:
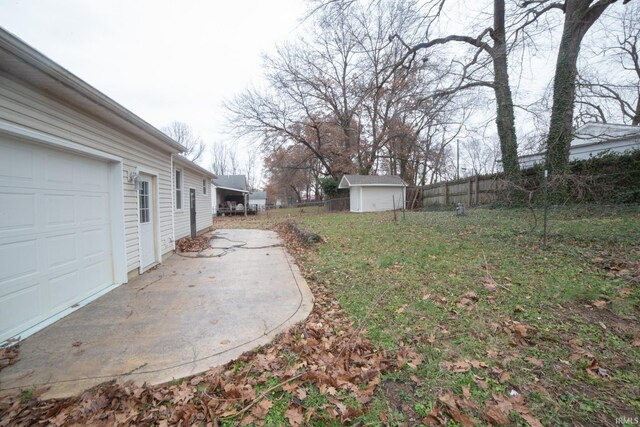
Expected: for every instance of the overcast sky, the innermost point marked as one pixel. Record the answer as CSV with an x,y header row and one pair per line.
x,y
163,60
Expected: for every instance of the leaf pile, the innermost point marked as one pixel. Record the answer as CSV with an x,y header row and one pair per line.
x,y
193,244
324,357
9,355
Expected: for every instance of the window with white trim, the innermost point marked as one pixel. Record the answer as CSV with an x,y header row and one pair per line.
x,y
144,202
178,189
204,186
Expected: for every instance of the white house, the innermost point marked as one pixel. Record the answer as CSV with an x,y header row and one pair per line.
x,y
372,193
592,139
258,199
192,195
87,192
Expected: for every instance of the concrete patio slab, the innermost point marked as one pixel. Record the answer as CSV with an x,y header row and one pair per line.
x,y
189,314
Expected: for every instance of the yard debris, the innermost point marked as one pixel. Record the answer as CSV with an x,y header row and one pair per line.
x,y
193,244
9,355
325,353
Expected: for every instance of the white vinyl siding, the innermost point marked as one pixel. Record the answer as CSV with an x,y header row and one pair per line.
x,y
31,109
380,198
204,219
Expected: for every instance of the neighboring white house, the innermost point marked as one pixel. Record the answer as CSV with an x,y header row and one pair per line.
x,y
192,198
258,199
229,191
593,139
371,193
87,191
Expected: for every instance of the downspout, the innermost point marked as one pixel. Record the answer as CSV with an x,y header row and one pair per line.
x,y
173,204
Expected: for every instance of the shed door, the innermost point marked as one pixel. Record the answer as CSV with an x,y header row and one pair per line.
x,y
55,232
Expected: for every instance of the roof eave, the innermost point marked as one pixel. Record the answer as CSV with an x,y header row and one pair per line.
x,y
63,84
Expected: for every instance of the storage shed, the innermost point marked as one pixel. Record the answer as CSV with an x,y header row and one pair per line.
x,y
87,191
373,193
231,195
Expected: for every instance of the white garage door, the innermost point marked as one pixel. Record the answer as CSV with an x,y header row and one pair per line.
x,y
55,232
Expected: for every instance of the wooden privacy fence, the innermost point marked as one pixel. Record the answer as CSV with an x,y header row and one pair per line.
x,y
472,191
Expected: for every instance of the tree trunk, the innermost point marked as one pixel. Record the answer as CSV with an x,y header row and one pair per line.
x,y
505,120
578,18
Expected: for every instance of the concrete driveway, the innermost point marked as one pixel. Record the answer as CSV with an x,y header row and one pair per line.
x,y
183,317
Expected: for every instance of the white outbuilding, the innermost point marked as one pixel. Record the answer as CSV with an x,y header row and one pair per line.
x,y
374,193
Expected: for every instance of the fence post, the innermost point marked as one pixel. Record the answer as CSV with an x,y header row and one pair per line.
x,y
470,183
446,194
477,190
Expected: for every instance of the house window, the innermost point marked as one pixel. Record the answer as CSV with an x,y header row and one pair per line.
x,y
143,194
204,186
178,189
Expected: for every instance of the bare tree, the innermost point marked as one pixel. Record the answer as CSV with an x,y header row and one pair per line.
x,y
182,134
612,92
579,17
224,159
491,42
336,94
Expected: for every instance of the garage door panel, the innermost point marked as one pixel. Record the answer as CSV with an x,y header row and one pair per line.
x,y
59,210
88,274
63,290
94,243
61,250
17,212
55,232
19,260
91,176
20,308
59,171
95,209
17,163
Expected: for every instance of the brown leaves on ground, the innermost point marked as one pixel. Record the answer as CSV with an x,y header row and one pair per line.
x,y
9,355
325,353
193,244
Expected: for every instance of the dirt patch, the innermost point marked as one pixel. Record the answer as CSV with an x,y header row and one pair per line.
x,y
399,394
590,312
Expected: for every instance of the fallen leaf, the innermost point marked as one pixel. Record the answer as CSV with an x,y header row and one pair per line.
x,y
533,421
636,342
534,361
600,304
466,392
294,415
495,415
261,410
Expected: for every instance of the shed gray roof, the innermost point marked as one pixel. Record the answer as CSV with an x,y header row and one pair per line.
x,y
232,182
258,195
371,180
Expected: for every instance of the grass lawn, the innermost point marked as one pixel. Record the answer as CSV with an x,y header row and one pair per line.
x,y
507,332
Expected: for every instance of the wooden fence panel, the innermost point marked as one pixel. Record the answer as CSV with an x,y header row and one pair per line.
x,y
472,191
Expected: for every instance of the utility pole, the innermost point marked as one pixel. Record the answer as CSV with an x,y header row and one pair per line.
x,y
457,158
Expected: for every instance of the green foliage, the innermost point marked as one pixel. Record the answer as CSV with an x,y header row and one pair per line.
x,y
606,178
329,186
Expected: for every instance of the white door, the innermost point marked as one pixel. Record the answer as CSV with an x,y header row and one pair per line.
x,y
147,221
55,232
